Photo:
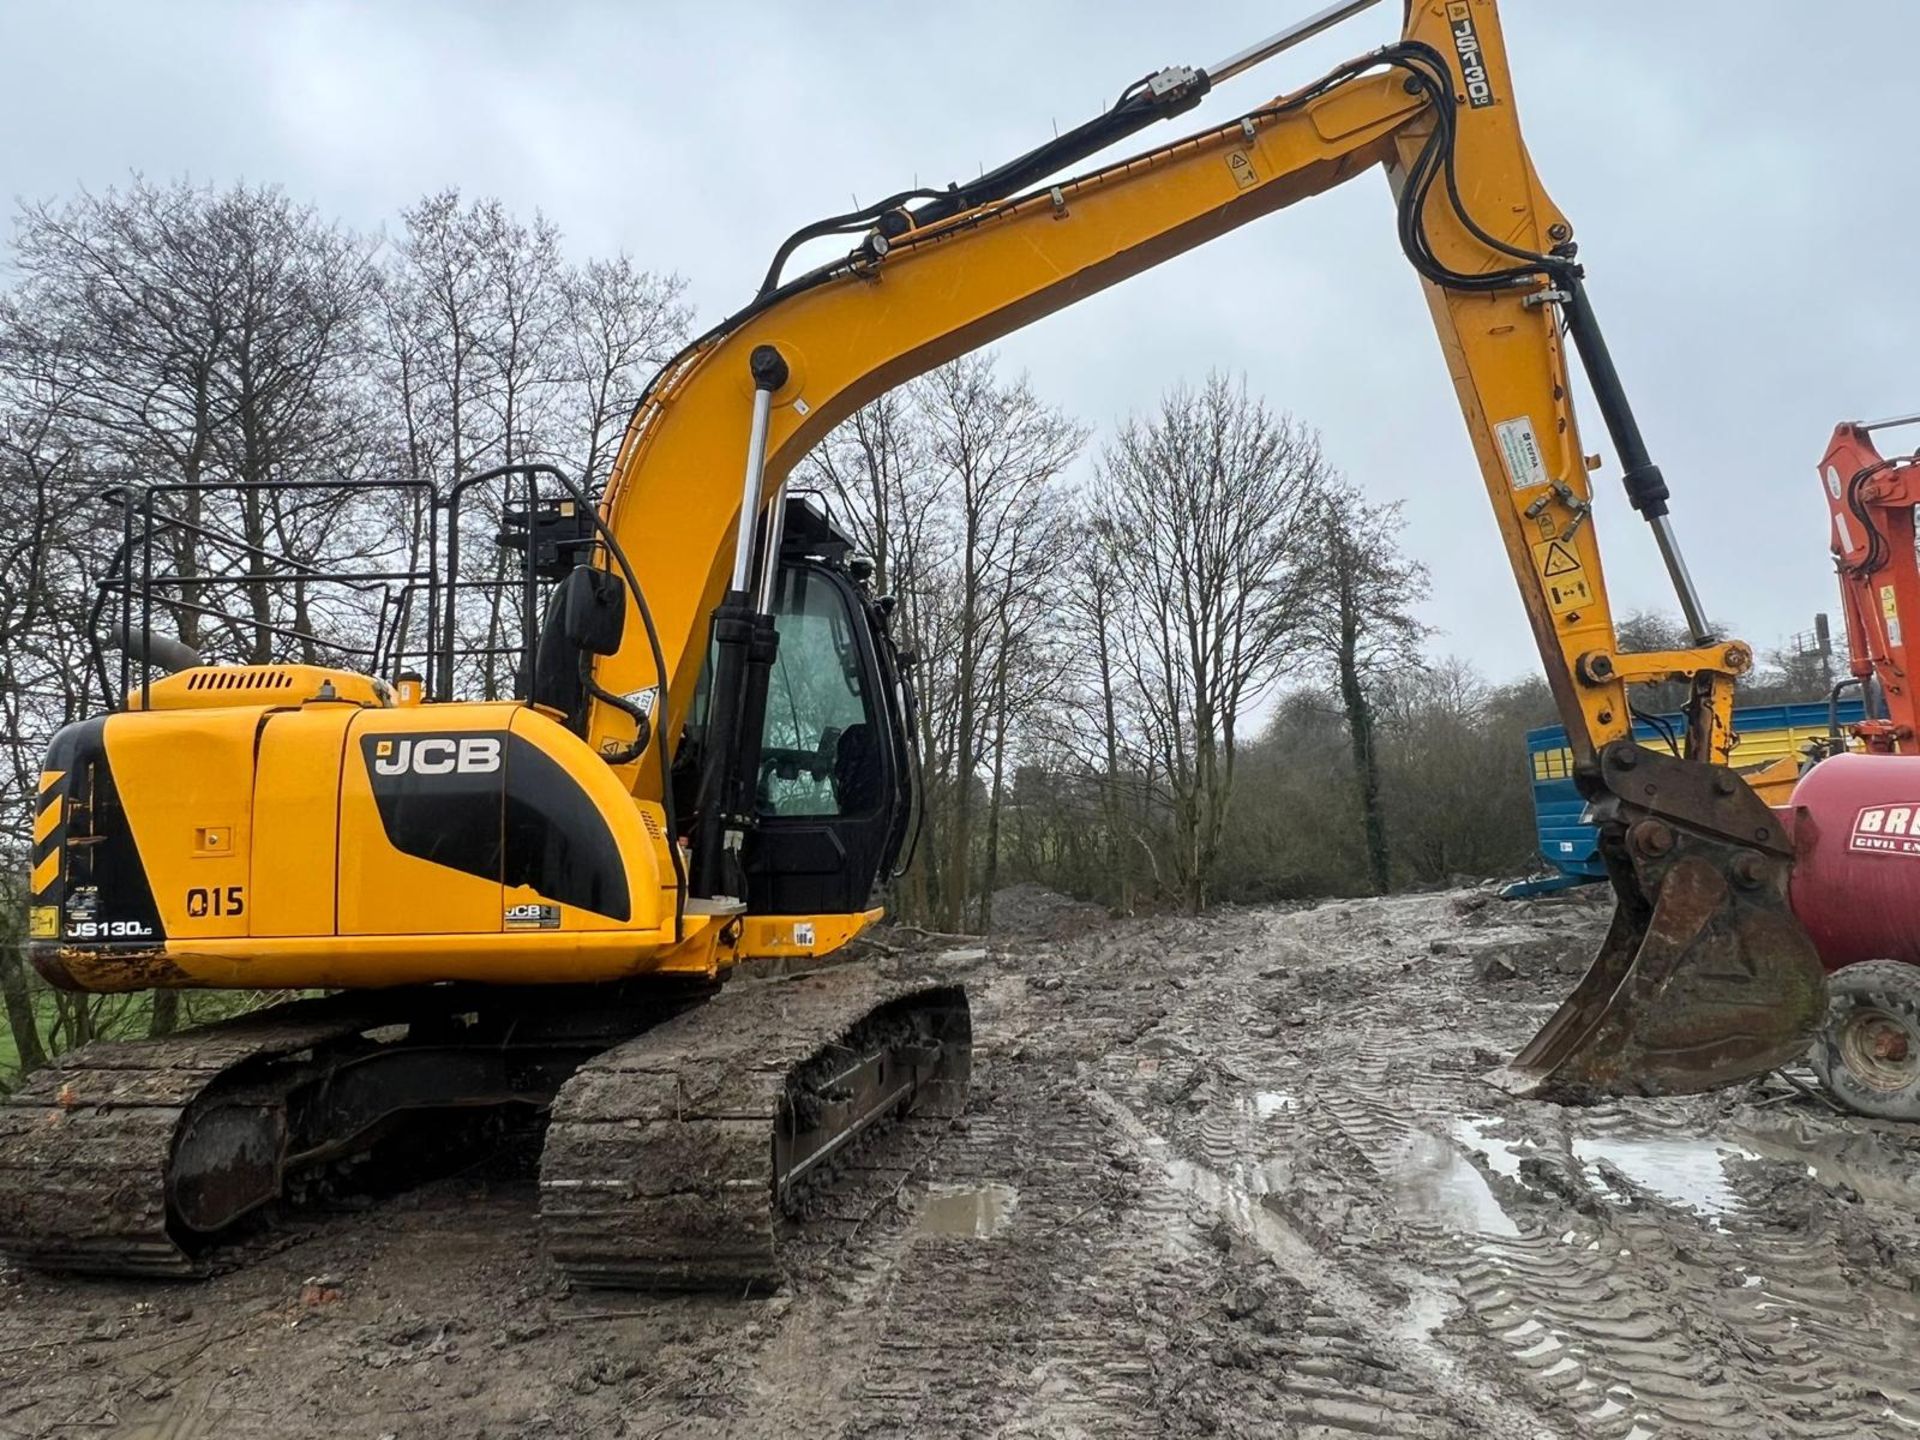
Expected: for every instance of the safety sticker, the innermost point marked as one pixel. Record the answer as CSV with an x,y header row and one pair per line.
x,y
1521,452
1562,576
1241,164
1892,612
1558,560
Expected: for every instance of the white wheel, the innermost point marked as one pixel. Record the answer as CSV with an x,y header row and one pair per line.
x,y
1868,1052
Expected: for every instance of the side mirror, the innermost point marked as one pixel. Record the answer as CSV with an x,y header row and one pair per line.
x,y
593,604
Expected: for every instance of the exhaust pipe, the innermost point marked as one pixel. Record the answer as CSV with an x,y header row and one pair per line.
x,y
151,649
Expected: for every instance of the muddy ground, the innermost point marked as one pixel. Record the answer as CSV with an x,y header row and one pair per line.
x,y
1233,1176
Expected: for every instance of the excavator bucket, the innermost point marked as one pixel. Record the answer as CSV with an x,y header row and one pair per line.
x,y
1705,978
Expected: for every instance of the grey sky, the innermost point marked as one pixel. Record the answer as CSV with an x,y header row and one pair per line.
x,y
1740,173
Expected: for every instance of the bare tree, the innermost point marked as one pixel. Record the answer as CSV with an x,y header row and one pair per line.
x,y
955,487
1003,452
1453,774
621,324
1209,505
495,350
1360,625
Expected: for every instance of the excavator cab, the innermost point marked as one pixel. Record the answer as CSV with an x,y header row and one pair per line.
x,y
832,775
833,791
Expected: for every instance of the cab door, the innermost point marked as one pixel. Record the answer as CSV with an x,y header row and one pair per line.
x,y
829,794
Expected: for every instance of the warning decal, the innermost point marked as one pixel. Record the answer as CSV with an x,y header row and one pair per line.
x,y
1241,164
1521,451
1892,613
1559,560
1562,576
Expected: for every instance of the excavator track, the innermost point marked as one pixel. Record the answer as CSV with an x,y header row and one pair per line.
x,y
88,1145
139,1157
672,1161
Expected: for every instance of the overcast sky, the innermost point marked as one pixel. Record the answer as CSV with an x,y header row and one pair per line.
x,y
1741,174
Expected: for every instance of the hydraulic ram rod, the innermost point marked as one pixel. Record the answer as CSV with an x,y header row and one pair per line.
x,y
1286,39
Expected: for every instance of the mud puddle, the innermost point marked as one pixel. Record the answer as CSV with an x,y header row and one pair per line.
x,y
1434,1182
1270,1103
1502,1155
1862,1160
974,1212
1688,1174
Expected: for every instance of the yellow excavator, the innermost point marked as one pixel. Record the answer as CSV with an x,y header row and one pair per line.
x,y
534,904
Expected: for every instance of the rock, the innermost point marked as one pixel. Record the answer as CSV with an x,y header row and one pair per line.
x,y
1241,1302
1275,972
1495,967
153,1388
319,1290
1049,982
1235,1357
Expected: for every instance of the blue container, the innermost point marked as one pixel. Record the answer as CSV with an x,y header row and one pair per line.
x,y
1572,847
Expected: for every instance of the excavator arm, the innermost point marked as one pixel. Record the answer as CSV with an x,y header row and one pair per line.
x,y
1871,500
1705,977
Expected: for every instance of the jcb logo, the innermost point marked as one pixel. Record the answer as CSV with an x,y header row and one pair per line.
x,y
437,755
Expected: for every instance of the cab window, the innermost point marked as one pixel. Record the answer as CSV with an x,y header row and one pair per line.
x,y
820,750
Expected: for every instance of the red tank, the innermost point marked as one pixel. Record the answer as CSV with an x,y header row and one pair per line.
x,y
1856,886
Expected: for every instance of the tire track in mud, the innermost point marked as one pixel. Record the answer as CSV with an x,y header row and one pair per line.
x,y
1395,1336
1236,1151
1692,1310
1104,1304
1639,1317
1052,1324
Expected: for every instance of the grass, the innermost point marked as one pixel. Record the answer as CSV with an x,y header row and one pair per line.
x,y
119,1017
46,1015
